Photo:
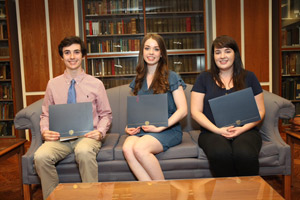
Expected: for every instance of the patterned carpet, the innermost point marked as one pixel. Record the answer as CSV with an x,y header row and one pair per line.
x,y
11,184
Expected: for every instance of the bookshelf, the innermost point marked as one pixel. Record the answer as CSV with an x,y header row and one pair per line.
x,y
290,51
7,102
113,30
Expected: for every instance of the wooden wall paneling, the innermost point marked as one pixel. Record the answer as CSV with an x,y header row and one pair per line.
x,y
33,98
266,87
34,43
228,19
62,24
256,24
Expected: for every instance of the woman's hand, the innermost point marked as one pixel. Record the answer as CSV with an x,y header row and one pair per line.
x,y
132,131
231,131
153,129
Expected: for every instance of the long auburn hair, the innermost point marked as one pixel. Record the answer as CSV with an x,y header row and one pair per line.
x,y
160,83
239,73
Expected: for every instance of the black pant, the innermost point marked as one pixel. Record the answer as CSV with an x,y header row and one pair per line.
x,y
237,157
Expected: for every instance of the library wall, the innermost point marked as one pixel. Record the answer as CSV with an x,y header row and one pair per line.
x,y
255,30
34,43
228,19
33,21
38,70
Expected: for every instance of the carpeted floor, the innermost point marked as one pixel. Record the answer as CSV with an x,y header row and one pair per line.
x,y
11,184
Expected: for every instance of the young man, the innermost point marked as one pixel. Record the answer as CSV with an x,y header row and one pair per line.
x,y
87,89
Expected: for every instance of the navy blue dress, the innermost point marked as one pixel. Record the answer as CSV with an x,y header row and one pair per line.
x,y
173,135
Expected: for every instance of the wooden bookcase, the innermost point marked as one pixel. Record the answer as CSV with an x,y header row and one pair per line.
x,y
290,51
113,30
7,100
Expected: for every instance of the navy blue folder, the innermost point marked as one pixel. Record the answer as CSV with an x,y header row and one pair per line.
x,y
71,120
149,109
235,109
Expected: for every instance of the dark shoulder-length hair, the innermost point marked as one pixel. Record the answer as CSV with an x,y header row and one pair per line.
x,y
239,73
160,83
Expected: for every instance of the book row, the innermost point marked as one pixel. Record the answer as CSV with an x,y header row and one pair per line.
x,y
291,89
176,24
290,37
121,45
125,45
173,5
104,7
4,51
5,91
6,111
7,129
291,63
104,67
4,71
290,9
112,82
3,31
109,27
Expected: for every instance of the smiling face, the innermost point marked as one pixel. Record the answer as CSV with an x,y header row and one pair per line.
x,y
151,52
224,58
72,57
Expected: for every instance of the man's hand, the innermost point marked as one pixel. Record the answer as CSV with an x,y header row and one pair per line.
x,y
95,134
50,135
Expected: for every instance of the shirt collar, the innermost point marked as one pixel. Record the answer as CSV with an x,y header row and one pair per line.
x,y
78,78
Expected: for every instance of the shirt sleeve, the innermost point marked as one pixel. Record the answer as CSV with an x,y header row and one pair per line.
x,y
103,110
48,100
253,82
199,85
175,81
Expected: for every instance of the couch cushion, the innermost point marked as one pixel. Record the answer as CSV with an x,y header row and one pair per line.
x,y
106,152
187,149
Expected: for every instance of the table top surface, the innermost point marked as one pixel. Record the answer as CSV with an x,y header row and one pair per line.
x,y
252,187
292,133
8,144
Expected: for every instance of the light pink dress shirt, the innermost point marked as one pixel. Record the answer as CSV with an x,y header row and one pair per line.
x,y
88,89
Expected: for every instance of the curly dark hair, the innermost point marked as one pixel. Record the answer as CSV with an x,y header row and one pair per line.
x,y
160,83
239,73
68,41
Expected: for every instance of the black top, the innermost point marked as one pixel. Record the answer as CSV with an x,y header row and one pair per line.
x,y
205,84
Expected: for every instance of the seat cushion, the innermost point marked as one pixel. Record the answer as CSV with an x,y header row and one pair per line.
x,y
186,149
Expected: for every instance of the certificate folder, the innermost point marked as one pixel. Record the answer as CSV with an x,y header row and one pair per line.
x,y
149,109
71,120
235,109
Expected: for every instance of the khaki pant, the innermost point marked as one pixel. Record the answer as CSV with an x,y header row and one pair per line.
x,y
49,153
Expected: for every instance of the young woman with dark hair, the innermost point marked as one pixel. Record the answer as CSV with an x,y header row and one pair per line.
x,y
231,151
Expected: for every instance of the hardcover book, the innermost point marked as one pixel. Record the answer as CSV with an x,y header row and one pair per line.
x,y
71,120
234,109
149,109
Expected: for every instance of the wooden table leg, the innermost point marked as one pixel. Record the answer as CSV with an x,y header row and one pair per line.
x,y
290,142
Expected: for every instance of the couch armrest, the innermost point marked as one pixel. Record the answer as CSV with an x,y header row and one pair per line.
x,y
29,118
276,108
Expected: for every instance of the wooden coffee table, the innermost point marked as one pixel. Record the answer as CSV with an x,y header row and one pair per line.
x,y
252,187
10,147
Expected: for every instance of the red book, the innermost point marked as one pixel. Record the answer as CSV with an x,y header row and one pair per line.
x,y
113,67
91,27
123,26
188,24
